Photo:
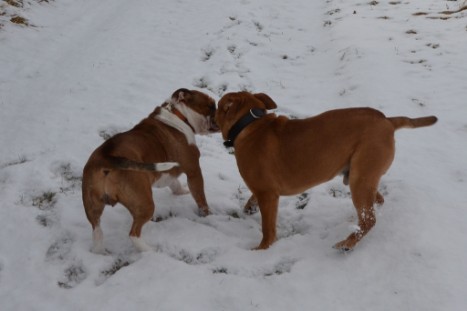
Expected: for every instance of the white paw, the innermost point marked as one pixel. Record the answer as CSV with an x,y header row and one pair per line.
x,y
140,244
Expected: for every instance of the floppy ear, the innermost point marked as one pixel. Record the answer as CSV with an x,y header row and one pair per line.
x,y
267,101
227,106
181,95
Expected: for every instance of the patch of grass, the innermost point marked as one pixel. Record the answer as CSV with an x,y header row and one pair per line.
x,y
420,14
19,20
454,11
15,3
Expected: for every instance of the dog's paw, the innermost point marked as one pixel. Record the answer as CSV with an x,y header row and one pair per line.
x,y
140,245
379,199
346,245
203,211
250,209
342,248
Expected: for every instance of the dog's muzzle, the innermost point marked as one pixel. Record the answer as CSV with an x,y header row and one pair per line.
x,y
213,127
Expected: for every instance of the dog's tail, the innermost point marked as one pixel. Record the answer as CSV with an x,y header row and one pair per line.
x,y
127,164
405,122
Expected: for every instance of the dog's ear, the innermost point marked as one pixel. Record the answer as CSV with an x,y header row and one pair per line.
x,y
227,106
181,95
267,101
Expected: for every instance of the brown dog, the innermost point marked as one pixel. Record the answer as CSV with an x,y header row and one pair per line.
x,y
124,167
277,156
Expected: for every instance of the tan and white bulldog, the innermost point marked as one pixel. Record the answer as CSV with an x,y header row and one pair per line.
x,y
278,156
156,151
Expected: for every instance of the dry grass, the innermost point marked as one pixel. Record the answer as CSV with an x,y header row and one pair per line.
x,y
15,3
19,20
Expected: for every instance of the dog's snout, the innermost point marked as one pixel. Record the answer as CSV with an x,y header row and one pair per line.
x,y
213,127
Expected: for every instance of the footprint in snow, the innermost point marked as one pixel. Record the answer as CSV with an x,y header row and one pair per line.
x,y
60,249
72,276
118,264
204,256
283,266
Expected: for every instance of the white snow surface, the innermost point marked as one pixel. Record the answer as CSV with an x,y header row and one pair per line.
x,y
86,69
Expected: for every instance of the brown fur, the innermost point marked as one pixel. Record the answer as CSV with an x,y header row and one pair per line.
x,y
278,156
122,169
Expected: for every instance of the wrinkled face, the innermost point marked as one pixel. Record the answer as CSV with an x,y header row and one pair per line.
x,y
234,106
203,109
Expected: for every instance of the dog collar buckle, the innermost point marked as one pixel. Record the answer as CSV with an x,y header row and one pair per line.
x,y
228,143
260,112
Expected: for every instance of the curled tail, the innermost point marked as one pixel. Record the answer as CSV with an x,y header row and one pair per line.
x,y
401,122
126,164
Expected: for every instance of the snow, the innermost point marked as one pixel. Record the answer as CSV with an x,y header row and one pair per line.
x,y
86,69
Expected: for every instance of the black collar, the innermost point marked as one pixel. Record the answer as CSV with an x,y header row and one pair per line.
x,y
253,115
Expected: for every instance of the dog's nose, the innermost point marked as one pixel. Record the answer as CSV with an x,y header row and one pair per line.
x,y
213,127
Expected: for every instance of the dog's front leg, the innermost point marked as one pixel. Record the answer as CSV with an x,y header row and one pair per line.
x,y
196,186
268,205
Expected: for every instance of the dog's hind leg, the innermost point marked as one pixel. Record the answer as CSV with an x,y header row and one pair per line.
x,y
379,197
363,198
141,215
94,208
367,167
177,187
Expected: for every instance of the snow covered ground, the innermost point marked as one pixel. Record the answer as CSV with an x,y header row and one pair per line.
x,y
85,69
